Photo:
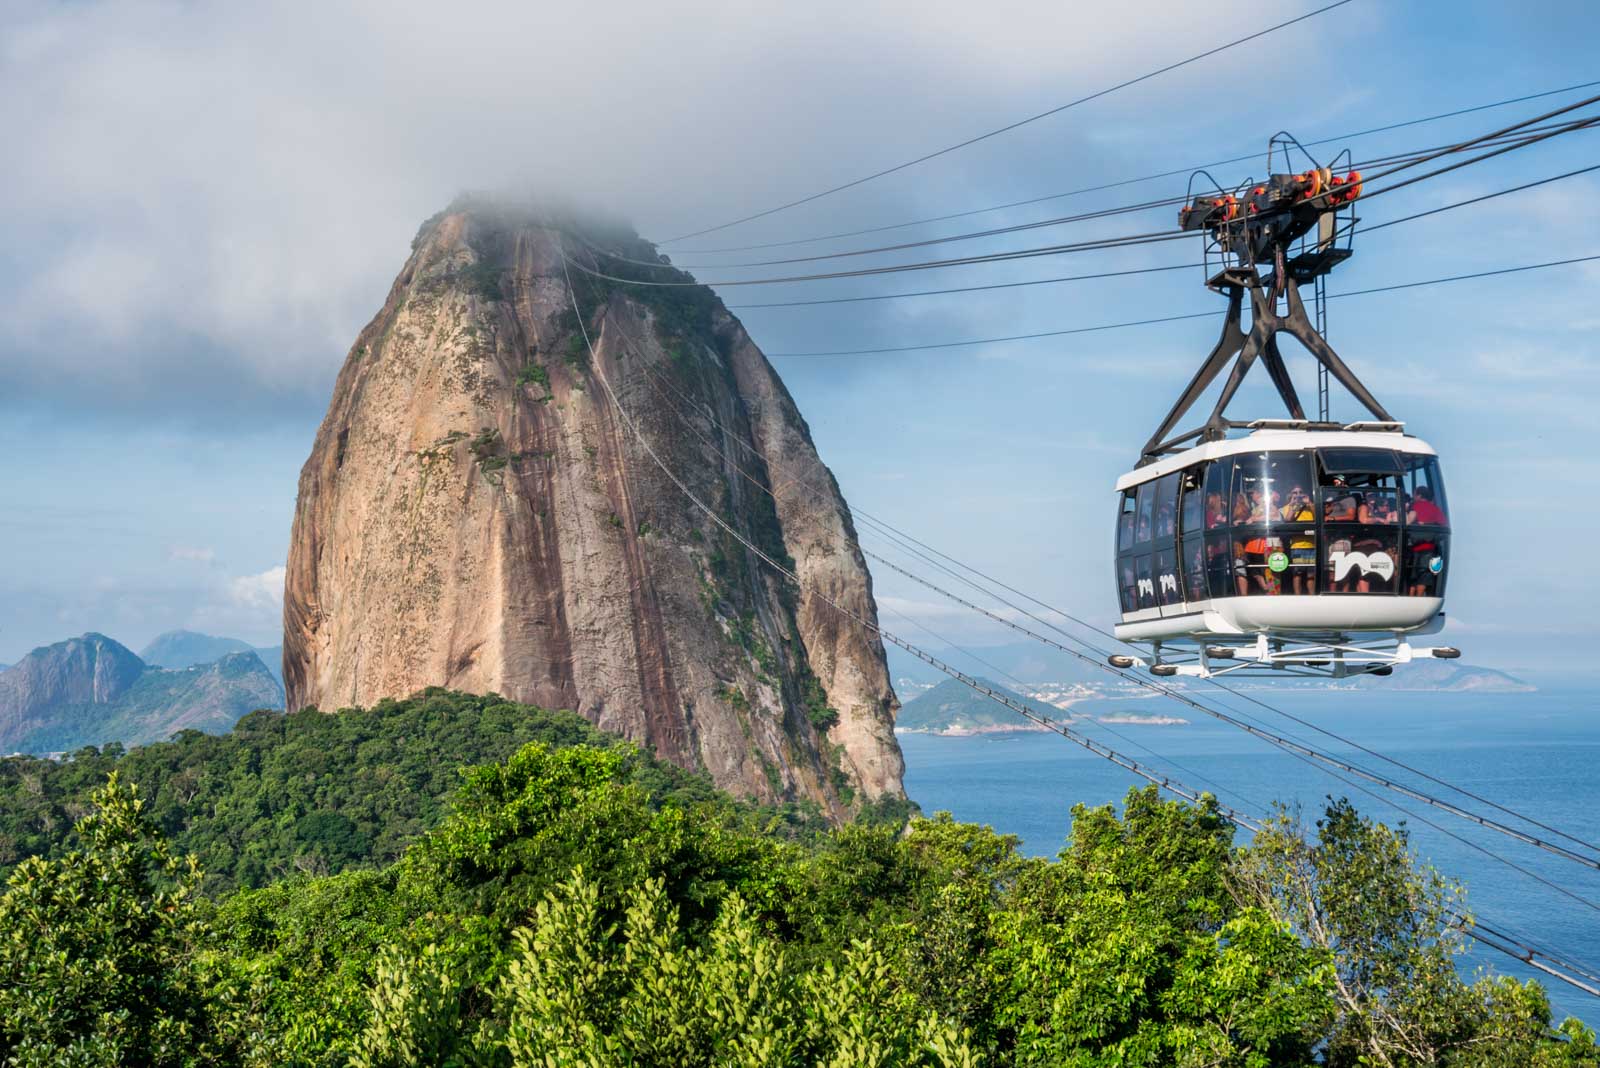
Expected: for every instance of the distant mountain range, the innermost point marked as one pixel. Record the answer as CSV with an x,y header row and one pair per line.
x,y
92,690
953,707
187,648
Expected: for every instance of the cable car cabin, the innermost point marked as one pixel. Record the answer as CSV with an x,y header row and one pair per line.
x,y
1307,551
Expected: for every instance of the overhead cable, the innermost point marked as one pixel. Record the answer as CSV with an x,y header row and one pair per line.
x,y
1009,126
1175,318
1177,172
1164,782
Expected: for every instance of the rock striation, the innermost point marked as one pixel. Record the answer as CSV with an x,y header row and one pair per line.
x,y
477,513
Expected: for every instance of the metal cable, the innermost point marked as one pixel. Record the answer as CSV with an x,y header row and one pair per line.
x,y
1192,315
1010,126
1134,181
1164,782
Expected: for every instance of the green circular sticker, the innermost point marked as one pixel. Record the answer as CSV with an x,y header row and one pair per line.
x,y
1278,561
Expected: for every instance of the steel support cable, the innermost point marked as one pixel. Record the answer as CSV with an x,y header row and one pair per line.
x,y
1099,664
1558,131
1127,241
999,231
1135,181
1189,266
1491,854
1481,199
1011,126
1271,737
1210,314
1164,782
1213,682
817,494
1516,140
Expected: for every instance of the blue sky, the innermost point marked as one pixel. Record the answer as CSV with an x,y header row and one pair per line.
x,y
211,201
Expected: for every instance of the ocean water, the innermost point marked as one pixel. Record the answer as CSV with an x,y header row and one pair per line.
x,y
1537,753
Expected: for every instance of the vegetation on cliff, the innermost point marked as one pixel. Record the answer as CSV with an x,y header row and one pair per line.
x,y
580,906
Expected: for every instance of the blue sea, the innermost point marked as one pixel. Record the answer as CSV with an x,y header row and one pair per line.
x,y
1536,753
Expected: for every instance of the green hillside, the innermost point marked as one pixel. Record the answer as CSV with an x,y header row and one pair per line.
x,y
578,903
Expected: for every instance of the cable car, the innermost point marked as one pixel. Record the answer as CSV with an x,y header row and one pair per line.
x,y
1279,545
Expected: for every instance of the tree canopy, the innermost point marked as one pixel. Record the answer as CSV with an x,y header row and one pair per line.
x,y
577,904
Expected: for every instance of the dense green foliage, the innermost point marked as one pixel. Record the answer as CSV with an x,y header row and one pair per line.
x,y
304,792
580,907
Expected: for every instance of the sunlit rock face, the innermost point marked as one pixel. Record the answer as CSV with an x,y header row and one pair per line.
x,y
477,514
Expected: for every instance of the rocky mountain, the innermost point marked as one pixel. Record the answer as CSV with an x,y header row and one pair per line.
x,y
187,648
92,690
477,513
953,707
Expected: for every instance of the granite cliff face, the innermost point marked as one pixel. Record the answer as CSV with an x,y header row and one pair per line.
x,y
476,514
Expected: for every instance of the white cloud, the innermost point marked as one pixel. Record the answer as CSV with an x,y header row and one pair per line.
x,y
219,194
258,592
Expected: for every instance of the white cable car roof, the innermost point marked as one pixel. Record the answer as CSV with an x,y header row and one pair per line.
x,y
1284,435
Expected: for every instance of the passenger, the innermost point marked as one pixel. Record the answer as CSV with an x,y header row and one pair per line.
x,y
1423,510
1216,514
1166,520
1378,508
1341,504
1241,509
1302,544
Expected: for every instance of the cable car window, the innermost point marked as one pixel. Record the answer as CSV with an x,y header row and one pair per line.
x,y
1219,560
1144,585
1167,506
1192,499
1424,493
1147,505
1361,559
1125,521
1194,568
1351,461
1424,566
1218,475
1361,498
1125,586
1166,576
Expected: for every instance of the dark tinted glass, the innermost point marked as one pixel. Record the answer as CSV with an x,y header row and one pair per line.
x,y
1219,565
1166,575
1352,460
1194,568
1167,505
1219,476
1125,509
1145,586
1144,526
1192,499
1424,501
1423,568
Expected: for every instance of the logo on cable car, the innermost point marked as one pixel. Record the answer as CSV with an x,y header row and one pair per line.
x,y
1147,588
1378,564
1436,564
1169,583
1278,561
